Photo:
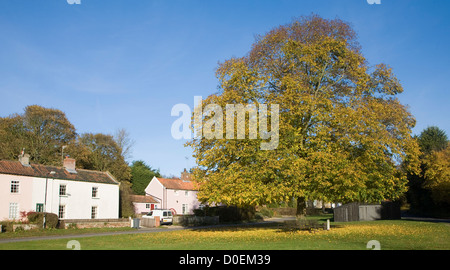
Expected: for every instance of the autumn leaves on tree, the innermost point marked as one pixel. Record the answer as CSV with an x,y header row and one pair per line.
x,y
343,134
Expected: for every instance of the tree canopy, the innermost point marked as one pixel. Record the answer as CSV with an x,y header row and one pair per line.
x,y
342,131
437,176
40,131
141,175
432,139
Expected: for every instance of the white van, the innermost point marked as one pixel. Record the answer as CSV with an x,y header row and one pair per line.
x,y
165,216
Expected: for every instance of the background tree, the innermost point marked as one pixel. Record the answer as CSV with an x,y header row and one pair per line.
x,y
432,139
141,175
428,189
123,140
12,137
343,132
437,177
41,131
104,154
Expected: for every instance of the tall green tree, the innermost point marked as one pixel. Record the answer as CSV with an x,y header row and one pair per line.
x,y
342,130
432,139
141,175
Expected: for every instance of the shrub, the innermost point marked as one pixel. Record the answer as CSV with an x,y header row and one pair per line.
x,y
38,218
266,212
228,213
7,226
302,225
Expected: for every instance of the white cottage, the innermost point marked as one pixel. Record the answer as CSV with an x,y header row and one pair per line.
x,y
66,191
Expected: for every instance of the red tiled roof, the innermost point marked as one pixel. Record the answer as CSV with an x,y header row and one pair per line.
x,y
43,171
175,183
143,199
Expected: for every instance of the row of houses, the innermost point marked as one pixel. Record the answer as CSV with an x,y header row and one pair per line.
x,y
83,194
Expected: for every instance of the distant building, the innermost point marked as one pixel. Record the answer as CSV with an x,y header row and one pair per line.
x,y
66,191
144,204
180,195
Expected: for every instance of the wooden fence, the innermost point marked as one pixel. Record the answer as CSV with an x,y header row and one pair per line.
x,y
366,212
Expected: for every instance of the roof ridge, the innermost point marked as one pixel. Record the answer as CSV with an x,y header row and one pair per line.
x,y
53,166
13,167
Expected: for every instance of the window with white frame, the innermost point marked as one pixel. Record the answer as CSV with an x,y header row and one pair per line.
x,y
186,193
62,211
184,209
62,190
14,186
94,212
39,207
94,192
13,210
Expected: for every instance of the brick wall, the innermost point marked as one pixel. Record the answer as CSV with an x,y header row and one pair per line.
x,y
97,223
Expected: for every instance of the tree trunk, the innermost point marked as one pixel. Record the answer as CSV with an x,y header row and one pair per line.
x,y
301,207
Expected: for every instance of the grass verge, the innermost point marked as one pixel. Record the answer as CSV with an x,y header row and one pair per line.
x,y
392,235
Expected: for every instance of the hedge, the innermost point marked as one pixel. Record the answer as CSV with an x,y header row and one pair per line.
x,y
38,218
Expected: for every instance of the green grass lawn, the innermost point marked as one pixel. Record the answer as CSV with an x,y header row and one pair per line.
x,y
396,234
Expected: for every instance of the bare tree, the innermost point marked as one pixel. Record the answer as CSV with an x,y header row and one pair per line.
x,y
122,138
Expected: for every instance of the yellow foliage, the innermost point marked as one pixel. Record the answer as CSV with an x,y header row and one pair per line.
x,y
342,131
437,175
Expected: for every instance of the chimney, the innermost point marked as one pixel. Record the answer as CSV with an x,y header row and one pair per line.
x,y
69,165
185,176
24,159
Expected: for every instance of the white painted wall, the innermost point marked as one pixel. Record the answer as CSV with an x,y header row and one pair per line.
x,y
78,201
22,198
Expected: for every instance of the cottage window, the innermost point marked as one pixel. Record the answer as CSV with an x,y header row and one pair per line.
x,y
186,193
94,212
14,186
62,190
94,192
13,210
184,209
147,205
39,207
62,211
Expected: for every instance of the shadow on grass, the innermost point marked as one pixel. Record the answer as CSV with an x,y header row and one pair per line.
x,y
310,223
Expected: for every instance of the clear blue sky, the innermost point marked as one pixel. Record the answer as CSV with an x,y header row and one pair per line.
x,y
112,64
